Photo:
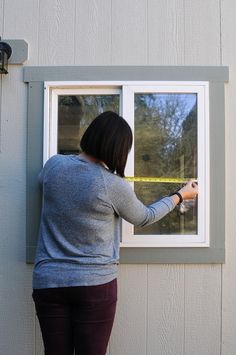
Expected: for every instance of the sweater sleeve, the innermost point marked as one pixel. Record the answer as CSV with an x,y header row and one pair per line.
x,y
128,206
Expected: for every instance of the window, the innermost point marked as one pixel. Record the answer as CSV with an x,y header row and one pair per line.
x,y
187,110
170,122
68,112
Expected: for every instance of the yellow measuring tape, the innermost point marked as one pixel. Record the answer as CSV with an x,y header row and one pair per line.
x,y
159,179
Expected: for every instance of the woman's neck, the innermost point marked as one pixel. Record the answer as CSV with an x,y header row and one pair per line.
x,y
93,159
89,157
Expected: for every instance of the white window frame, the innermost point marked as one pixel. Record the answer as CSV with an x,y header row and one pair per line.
x,y
51,112
127,89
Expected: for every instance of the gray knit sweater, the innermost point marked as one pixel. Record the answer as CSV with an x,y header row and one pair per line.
x,y
79,232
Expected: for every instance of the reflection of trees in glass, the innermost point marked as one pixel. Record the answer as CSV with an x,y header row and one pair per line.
x,y
165,146
165,127
75,113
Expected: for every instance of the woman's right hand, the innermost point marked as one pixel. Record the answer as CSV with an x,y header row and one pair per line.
x,y
189,191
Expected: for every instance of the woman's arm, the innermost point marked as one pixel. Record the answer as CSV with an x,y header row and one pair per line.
x,y
128,206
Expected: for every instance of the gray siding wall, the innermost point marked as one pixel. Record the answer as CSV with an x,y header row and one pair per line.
x,y
163,309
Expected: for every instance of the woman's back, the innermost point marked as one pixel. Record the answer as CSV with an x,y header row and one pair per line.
x,y
78,224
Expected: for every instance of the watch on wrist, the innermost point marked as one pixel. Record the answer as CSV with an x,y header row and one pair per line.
x,y
179,195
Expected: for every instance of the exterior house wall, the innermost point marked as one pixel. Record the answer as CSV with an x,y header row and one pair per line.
x,y
174,309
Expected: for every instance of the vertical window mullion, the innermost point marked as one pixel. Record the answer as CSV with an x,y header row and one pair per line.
x,y
128,115
46,122
53,125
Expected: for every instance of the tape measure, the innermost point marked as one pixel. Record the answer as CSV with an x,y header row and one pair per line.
x,y
159,179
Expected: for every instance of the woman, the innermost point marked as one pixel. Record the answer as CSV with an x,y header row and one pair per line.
x,y
75,271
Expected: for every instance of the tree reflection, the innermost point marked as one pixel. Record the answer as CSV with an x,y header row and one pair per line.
x,y
165,140
166,146
75,113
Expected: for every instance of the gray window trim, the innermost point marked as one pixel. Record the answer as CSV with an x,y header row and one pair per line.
x,y
35,77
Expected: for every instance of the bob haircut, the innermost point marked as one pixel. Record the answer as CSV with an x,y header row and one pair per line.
x,y
108,138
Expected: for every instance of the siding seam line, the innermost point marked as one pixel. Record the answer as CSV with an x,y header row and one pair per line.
x,y
74,27
184,315
221,312
221,274
35,333
221,51
147,29
38,27
1,115
3,19
3,23
111,54
147,312
184,11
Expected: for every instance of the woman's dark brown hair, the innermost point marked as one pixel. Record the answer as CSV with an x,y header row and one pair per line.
x,y
109,139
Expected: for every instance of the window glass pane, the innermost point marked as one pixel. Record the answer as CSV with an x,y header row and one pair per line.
x,y
75,113
165,138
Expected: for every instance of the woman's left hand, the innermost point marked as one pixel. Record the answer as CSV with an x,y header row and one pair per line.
x,y
189,191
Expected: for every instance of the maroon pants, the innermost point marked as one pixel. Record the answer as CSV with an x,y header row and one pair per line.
x,y
76,319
